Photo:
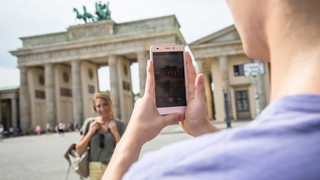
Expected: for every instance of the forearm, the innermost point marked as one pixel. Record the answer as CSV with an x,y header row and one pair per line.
x,y
145,124
126,153
117,137
116,134
83,144
196,127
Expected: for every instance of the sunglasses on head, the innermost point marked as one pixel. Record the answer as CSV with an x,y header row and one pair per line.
x,y
101,140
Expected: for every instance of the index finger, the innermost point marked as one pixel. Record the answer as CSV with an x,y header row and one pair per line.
x,y
149,88
191,73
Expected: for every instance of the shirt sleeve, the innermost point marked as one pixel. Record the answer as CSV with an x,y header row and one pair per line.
x,y
85,127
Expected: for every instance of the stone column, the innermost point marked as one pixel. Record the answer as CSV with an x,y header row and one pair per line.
x,y
208,95
0,112
224,71
77,102
114,83
223,62
25,114
14,111
199,67
142,60
49,90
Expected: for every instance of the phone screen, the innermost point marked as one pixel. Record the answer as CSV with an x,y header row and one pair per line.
x,y
169,75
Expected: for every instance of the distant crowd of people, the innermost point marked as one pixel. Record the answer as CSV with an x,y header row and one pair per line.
x,y
60,128
11,131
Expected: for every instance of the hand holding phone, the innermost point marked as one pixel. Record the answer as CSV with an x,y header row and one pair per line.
x,y
170,78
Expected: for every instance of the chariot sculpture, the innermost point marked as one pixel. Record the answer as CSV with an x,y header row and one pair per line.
x,y
102,13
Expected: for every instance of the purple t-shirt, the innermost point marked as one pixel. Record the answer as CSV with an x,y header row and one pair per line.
x,y
282,143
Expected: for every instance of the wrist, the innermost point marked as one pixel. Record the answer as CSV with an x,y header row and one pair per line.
x,y
91,133
210,128
205,128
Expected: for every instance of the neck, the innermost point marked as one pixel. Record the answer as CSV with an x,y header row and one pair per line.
x,y
104,118
294,57
295,75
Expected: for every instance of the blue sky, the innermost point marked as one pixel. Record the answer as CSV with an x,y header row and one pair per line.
x,y
20,18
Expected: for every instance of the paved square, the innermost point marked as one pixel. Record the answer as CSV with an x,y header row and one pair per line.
x,y
40,157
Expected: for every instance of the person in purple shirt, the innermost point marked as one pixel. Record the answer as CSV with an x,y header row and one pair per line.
x,y
282,143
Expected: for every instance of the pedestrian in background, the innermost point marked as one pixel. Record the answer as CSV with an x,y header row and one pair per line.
x,y
48,128
61,128
11,131
38,129
1,131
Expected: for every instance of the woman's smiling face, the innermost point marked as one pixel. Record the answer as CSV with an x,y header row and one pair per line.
x,y
101,106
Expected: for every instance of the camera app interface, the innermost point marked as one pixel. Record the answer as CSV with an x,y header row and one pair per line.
x,y
169,77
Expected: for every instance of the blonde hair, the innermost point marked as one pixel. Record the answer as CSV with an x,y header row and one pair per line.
x,y
104,96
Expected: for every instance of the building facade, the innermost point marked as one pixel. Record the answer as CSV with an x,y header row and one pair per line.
x,y
230,94
9,108
59,71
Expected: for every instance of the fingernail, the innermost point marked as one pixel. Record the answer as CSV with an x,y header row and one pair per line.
x,y
201,79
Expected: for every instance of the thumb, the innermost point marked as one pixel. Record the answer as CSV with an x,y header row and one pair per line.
x,y
171,119
199,85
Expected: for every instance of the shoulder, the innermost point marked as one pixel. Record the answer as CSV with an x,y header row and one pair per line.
x,y
236,151
119,122
85,126
89,120
121,125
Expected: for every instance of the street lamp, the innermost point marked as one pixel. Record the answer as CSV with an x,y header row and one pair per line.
x,y
254,70
226,107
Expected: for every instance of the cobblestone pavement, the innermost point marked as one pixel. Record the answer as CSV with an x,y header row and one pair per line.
x,y
40,157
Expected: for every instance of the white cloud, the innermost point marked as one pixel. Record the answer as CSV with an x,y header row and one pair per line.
x,y
9,77
104,78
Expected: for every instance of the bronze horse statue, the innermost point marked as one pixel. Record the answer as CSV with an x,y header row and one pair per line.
x,y
85,16
102,11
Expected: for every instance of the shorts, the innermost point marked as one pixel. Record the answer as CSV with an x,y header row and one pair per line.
x,y
96,170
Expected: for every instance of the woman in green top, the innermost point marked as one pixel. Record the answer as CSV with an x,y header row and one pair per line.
x,y
100,134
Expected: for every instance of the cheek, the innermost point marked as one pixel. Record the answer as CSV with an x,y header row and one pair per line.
x,y
99,109
102,110
253,37
255,45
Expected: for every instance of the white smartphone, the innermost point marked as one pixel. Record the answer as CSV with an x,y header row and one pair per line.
x,y
170,74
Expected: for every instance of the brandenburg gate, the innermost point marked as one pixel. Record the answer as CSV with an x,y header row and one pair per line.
x,y
59,70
